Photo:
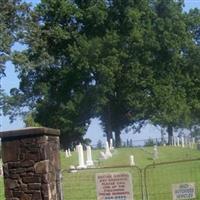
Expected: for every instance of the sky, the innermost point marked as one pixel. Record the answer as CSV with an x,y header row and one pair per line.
x,y
94,131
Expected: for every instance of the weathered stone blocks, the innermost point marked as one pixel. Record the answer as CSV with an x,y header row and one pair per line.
x,y
31,164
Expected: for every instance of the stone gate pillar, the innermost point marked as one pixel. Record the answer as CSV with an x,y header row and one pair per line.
x,y
31,164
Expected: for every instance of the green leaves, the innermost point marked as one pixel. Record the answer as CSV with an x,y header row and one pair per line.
x,y
125,62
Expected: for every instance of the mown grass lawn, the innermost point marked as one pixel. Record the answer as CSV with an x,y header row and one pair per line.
x,y
1,189
159,178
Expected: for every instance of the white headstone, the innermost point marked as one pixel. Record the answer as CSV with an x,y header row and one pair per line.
x,y
103,155
172,144
182,142
72,169
111,144
193,140
66,153
132,160
69,153
89,161
174,141
108,153
81,157
178,141
155,152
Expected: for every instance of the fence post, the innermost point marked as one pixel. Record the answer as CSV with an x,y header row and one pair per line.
x,y
31,164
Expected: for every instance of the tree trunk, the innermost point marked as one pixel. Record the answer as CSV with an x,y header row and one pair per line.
x,y
109,125
117,138
108,135
170,134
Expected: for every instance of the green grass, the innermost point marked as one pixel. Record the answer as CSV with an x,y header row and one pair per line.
x,y
159,178
1,189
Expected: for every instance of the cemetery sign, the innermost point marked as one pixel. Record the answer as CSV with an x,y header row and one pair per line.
x,y
114,186
183,191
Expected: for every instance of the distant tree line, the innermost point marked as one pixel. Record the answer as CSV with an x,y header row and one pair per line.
x,y
125,62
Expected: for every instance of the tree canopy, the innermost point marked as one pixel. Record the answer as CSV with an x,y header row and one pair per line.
x,y
125,62
12,19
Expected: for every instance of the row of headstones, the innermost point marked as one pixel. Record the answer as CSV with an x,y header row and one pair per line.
x,y
89,161
183,142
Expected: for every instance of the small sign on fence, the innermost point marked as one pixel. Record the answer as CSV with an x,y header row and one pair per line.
x,y
183,191
114,186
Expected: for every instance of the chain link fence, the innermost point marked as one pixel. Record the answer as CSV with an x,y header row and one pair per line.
x,y
159,178
152,179
154,182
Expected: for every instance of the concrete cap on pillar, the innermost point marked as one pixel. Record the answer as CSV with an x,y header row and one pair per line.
x,y
29,131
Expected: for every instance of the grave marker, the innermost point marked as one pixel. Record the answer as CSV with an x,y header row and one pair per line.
x,y
108,153
182,142
66,154
80,157
178,141
174,141
89,161
155,152
69,153
111,144
132,160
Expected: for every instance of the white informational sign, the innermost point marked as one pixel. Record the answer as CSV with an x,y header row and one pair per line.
x,y
183,191
114,186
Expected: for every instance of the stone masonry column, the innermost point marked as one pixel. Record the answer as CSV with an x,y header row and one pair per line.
x,y
31,164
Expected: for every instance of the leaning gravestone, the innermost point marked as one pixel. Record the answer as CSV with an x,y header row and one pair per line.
x,y
111,186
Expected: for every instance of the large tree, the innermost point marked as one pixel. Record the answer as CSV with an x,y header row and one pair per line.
x,y
128,101
12,19
192,67
56,82
172,109
122,61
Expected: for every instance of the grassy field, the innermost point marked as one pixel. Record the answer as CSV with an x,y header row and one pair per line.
x,y
1,189
158,178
